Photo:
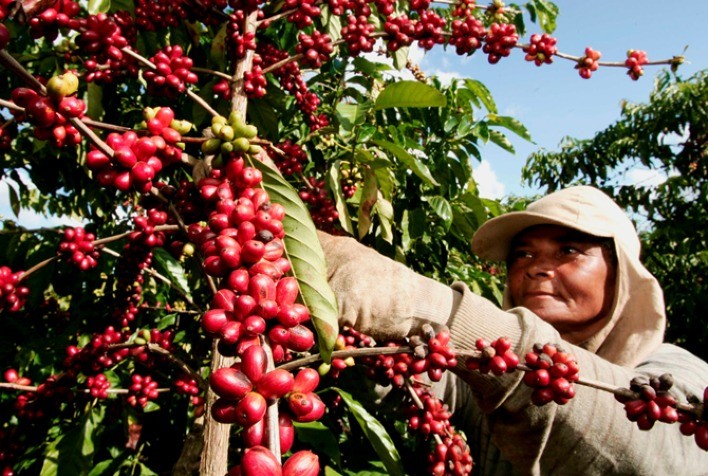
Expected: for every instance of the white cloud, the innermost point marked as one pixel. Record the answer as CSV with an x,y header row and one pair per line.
x,y
645,177
487,181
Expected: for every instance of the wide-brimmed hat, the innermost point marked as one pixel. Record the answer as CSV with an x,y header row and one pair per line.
x,y
582,208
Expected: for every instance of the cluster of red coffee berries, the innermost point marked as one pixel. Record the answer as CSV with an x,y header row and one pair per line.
x,y
429,29
255,82
635,60
136,160
152,15
501,38
50,114
496,357
451,457
97,355
348,339
245,390
692,425
142,390
290,159
541,49
322,208
305,11
47,23
588,63
400,31
102,40
552,374
654,402
77,247
172,73
467,34
98,386
13,295
259,460
430,418
314,48
187,385
163,339
357,33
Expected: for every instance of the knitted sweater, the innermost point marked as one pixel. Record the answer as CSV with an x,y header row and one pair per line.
x,y
590,435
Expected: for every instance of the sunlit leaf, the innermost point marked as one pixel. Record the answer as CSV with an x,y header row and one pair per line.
x,y
513,124
342,209
442,208
351,115
376,434
482,93
98,6
306,256
409,94
169,265
384,210
369,195
412,162
547,14
501,140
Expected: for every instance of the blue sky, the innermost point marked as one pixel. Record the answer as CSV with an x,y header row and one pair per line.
x,y
553,101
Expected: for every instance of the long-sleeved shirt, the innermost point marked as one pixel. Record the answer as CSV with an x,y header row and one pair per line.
x,y
590,435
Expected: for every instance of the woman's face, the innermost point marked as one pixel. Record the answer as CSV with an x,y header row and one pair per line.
x,y
564,276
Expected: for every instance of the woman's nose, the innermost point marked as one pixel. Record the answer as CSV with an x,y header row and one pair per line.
x,y
541,267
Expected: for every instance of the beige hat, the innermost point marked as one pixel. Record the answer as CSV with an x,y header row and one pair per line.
x,y
583,208
636,324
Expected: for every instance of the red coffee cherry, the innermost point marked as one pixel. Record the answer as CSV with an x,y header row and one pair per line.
x,y
588,63
552,375
302,463
259,461
230,383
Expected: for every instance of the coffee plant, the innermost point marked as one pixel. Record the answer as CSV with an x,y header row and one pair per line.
x,y
186,326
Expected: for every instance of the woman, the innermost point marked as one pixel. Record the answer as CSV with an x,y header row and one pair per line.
x,y
575,279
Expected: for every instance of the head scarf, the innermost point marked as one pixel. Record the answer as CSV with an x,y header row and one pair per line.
x,y
636,324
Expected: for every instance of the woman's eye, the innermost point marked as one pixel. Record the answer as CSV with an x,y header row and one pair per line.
x,y
519,254
569,250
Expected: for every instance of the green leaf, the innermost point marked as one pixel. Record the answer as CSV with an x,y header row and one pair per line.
x,y
127,5
94,101
442,208
501,140
511,123
72,452
173,270
98,6
145,471
409,94
400,58
217,50
335,186
14,200
318,436
351,115
369,67
412,162
369,195
384,210
547,14
306,256
109,467
482,93
375,433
